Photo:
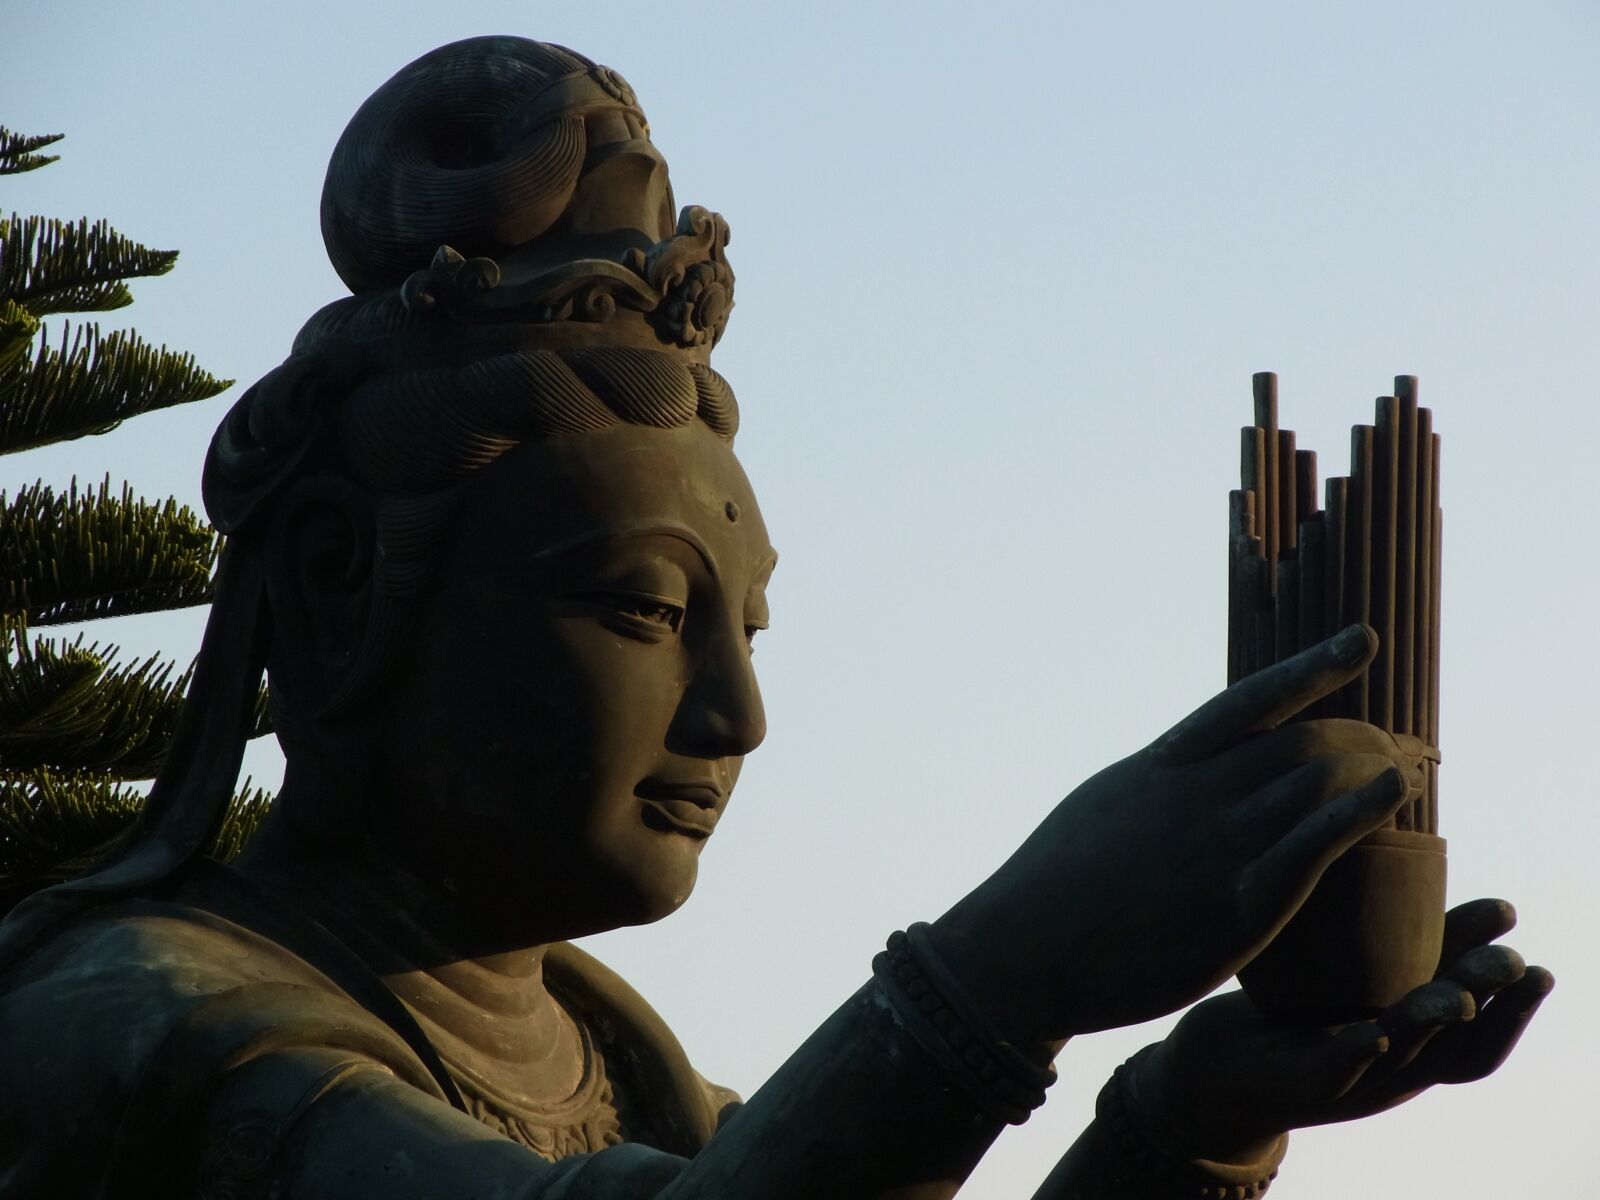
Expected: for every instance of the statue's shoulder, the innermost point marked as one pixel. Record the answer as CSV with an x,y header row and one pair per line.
x,y
110,985
134,1011
661,1099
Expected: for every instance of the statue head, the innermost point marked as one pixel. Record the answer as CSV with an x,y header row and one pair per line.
x,y
486,531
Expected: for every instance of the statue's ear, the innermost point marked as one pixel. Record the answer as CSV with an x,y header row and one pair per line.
x,y
319,584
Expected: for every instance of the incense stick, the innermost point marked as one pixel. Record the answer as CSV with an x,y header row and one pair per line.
x,y
1305,480
1264,384
1385,496
1253,577
1286,610
1241,521
1310,624
1287,463
1335,495
1433,640
1423,640
1358,557
1297,573
1405,553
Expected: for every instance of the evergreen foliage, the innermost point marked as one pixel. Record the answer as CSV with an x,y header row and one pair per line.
x,y
91,384
54,824
65,703
84,555
72,266
79,731
17,151
17,327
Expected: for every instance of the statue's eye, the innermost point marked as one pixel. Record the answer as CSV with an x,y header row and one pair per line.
x,y
657,612
637,614
640,613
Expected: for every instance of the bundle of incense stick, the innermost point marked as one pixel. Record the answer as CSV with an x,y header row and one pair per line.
x,y
1298,574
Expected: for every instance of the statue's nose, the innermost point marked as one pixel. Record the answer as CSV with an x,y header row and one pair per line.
x,y
722,715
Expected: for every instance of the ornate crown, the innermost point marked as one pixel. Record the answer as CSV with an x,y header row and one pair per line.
x,y
527,173
682,287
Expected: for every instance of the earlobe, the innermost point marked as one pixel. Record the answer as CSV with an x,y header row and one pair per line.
x,y
319,559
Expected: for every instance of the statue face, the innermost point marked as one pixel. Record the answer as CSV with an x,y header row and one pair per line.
x,y
571,725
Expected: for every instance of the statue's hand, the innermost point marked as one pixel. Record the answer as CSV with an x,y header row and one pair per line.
x,y
1228,1080
1158,878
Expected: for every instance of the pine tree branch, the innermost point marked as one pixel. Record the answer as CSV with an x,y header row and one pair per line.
x,y
246,811
54,824
45,690
67,704
91,384
17,151
64,705
91,297
72,266
85,555
17,327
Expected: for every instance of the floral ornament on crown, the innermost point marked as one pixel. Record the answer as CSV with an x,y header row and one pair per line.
x,y
696,283
449,271
682,287
615,85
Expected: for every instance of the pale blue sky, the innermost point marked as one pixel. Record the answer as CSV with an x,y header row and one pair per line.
x,y
1004,274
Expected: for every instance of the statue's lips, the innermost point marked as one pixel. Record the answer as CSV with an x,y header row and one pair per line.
x,y
690,809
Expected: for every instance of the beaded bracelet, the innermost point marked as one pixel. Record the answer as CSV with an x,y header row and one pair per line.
x,y
1005,1082
1197,1178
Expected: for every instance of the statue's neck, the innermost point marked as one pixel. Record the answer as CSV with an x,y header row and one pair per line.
x,y
484,1007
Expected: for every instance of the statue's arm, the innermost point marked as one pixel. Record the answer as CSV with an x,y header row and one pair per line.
x,y
860,1110
1121,1157
1104,1165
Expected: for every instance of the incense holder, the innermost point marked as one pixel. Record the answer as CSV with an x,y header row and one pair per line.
x,y
1370,932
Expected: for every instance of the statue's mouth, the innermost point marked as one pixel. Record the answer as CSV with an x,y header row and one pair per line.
x,y
691,809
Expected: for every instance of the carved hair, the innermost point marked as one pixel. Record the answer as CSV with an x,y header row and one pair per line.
x,y
481,145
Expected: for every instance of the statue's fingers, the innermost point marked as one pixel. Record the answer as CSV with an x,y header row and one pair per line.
x,y
1485,970
1258,760
1499,1026
1475,923
1268,698
1273,887
1273,811
1420,1017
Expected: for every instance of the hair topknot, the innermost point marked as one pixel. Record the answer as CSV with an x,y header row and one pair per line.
x,y
480,145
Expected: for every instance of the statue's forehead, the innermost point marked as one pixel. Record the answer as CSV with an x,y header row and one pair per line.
x,y
628,478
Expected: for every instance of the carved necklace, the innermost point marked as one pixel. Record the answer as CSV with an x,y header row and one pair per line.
x,y
525,1066
580,1123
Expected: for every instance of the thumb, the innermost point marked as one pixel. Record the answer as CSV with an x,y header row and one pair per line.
x,y
1344,1059
1322,1066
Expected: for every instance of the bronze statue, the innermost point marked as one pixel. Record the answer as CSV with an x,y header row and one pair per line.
x,y
489,541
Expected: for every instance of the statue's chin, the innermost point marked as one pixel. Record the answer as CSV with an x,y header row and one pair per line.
x,y
604,898
646,891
